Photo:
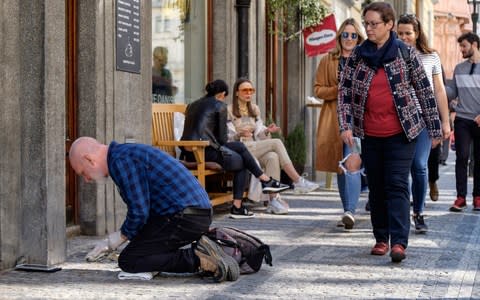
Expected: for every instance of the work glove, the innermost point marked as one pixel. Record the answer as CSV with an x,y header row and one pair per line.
x,y
103,247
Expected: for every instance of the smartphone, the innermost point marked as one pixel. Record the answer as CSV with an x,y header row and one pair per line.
x,y
357,145
37,268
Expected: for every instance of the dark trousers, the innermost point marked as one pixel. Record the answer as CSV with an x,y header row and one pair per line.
x,y
433,161
156,247
235,158
388,162
466,132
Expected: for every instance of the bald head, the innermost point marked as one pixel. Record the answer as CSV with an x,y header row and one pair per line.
x,y
88,157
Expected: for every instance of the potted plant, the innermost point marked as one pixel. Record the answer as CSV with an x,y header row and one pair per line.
x,y
296,145
294,15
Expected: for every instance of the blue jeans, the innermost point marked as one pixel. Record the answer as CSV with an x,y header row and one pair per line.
x,y
349,185
388,161
419,171
466,133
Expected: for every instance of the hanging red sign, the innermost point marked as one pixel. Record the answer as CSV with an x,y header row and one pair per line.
x,y
320,38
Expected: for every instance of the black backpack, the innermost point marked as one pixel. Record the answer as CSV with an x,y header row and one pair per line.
x,y
248,250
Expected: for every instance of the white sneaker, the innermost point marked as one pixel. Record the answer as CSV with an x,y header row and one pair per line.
x,y
304,186
276,207
283,202
340,223
348,220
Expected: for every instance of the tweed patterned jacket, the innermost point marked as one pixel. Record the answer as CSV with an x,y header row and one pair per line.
x,y
408,83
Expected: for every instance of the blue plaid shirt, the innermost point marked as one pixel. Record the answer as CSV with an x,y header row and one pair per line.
x,y
151,183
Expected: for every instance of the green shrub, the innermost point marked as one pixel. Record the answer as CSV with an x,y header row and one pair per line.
x,y
296,144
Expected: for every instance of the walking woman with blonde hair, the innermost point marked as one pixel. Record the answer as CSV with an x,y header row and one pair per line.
x,y
329,148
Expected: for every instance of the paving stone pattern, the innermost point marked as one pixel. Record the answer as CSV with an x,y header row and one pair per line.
x,y
313,259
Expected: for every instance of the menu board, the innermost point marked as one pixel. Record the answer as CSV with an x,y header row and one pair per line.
x,y
127,35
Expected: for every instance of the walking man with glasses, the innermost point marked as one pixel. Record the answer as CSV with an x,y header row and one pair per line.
x,y
466,87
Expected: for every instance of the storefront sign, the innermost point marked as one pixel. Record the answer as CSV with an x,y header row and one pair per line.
x,y
321,38
128,35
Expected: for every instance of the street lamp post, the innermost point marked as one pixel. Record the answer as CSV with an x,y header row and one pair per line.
x,y
474,3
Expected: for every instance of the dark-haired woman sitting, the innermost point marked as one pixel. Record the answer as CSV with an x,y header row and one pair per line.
x,y
206,119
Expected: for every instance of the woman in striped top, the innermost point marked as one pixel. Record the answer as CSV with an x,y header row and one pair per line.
x,y
410,31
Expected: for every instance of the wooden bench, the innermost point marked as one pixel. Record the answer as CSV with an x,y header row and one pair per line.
x,y
163,138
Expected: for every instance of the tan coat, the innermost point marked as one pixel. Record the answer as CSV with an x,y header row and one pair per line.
x,y
329,147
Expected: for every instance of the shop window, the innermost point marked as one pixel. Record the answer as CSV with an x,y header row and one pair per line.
x,y
179,50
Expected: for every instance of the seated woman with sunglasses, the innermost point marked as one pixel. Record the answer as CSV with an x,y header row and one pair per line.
x,y
206,119
330,147
246,125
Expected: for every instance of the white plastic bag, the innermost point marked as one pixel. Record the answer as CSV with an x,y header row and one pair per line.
x,y
178,121
255,189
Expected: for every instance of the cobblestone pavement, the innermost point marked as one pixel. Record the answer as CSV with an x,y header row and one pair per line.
x,y
313,259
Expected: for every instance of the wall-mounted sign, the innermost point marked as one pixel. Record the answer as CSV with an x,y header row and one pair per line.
x,y
128,35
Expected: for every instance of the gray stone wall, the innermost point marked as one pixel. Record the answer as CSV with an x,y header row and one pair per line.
x,y
112,105
10,135
224,42
32,132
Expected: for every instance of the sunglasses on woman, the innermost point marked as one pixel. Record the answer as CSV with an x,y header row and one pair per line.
x,y
247,90
353,35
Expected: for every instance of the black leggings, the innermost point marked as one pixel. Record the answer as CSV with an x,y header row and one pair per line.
x,y
234,157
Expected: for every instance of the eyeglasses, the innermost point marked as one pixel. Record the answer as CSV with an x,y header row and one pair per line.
x,y
247,90
345,35
371,24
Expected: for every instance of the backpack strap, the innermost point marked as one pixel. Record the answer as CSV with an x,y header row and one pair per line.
x,y
268,255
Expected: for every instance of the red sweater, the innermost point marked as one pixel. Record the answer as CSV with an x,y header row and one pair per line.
x,y
381,119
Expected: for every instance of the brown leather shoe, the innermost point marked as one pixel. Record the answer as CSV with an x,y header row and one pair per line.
x,y
380,248
211,260
433,191
398,253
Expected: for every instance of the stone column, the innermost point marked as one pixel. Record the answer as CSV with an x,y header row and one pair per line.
x,y
32,178
243,7
112,104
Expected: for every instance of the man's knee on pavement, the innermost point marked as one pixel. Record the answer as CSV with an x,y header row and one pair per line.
x,y
126,264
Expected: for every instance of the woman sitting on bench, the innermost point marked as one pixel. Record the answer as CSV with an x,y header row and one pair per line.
x,y
206,119
245,124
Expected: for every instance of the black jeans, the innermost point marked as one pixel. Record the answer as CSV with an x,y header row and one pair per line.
x,y
466,132
156,247
387,162
235,158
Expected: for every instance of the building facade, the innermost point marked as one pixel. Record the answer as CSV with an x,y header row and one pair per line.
x,y
93,68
